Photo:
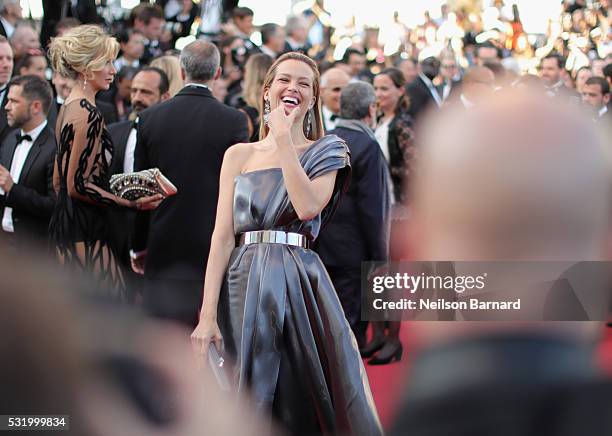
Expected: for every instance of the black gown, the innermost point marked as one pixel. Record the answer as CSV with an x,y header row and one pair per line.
x,y
79,225
280,317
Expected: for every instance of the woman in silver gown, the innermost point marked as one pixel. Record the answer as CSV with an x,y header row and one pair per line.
x,y
270,298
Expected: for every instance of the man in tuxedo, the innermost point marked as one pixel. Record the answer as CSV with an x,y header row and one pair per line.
x,y
422,93
333,82
272,40
149,87
552,70
85,11
297,35
10,14
596,96
186,138
26,164
359,231
149,20
497,200
477,85
6,70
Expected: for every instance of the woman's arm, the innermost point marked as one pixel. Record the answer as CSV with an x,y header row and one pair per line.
x,y
82,171
308,197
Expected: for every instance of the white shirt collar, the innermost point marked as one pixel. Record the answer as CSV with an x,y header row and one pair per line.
x,y
199,85
602,111
35,132
267,50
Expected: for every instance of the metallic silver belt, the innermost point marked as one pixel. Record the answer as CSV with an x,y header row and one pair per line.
x,y
274,237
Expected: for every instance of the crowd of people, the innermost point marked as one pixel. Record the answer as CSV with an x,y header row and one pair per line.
x,y
292,169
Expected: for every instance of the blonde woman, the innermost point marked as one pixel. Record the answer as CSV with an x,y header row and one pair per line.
x,y
78,227
279,316
172,67
254,74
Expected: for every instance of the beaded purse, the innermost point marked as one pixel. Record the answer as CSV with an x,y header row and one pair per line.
x,y
133,186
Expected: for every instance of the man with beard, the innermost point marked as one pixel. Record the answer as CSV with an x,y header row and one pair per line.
x,y
27,198
149,87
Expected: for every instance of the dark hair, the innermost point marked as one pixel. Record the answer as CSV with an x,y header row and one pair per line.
x,y
126,72
268,30
351,51
242,12
145,12
123,37
604,86
164,83
496,68
557,57
35,88
487,44
26,60
607,71
398,79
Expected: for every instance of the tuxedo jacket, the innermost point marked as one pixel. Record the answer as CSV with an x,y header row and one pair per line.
x,y
186,138
420,98
3,30
4,127
32,198
358,231
120,220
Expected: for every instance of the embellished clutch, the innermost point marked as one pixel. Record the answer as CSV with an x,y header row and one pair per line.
x,y
133,186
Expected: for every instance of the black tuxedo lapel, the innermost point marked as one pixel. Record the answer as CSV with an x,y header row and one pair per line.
x,y
34,152
11,145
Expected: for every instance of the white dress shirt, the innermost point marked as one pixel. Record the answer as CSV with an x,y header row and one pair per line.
x,y
21,153
128,159
327,121
8,27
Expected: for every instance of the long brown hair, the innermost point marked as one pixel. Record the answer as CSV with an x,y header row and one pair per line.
x,y
316,127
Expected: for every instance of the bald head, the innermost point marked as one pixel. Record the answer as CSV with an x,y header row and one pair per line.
x,y
24,38
333,82
516,179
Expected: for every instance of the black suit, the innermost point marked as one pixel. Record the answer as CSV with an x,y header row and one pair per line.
x,y
54,10
420,98
3,30
359,230
122,221
186,138
523,384
4,127
32,197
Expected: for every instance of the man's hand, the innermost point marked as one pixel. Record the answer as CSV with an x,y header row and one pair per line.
x,y
6,181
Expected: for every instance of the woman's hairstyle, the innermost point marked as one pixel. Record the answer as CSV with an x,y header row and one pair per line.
x,y
82,50
397,77
316,127
254,74
172,67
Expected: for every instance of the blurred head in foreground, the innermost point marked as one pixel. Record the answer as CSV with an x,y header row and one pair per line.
x,y
518,178
106,367
515,179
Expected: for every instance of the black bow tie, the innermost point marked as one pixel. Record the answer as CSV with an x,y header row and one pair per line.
x,y
21,138
334,117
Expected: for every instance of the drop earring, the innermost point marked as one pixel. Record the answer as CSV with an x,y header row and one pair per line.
x,y
308,122
84,83
266,114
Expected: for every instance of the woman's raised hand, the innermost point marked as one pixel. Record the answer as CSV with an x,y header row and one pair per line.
x,y
280,123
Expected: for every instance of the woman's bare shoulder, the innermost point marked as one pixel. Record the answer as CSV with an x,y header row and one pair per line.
x,y
237,155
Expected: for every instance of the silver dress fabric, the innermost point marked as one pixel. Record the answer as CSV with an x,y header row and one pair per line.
x,y
280,317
